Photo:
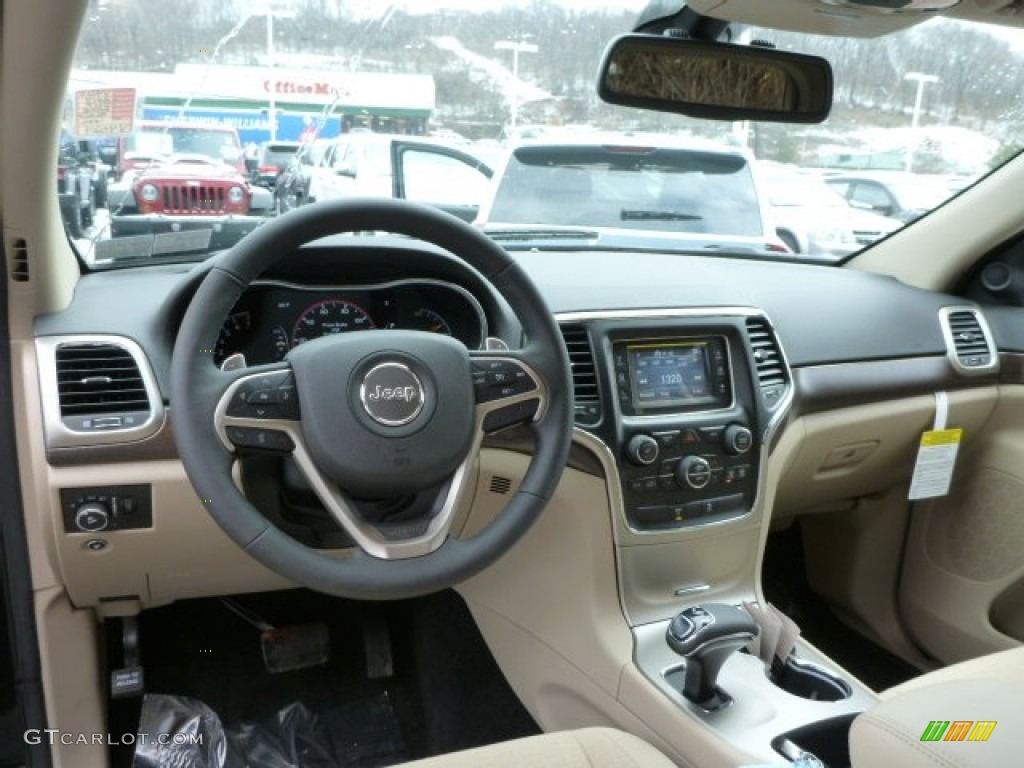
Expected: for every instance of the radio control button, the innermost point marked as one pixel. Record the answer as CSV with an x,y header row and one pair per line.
x,y
737,439
642,450
667,438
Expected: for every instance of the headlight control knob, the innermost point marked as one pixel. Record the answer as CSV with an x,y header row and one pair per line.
x,y
92,517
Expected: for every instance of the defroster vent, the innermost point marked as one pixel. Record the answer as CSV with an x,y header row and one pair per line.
x,y
769,365
100,386
587,395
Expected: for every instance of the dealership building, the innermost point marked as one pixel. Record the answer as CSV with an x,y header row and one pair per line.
x,y
304,103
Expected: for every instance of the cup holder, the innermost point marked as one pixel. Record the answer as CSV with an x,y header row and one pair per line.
x,y
809,681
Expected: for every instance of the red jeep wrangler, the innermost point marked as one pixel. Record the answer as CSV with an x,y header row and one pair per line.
x,y
187,193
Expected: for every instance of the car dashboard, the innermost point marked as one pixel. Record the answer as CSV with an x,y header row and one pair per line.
x,y
714,400
685,368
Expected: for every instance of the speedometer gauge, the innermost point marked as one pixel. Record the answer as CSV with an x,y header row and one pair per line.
x,y
424,319
328,317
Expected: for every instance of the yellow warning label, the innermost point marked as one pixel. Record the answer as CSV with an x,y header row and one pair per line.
x,y
934,437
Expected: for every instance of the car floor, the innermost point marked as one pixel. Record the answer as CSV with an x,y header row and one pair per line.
x,y
786,587
445,691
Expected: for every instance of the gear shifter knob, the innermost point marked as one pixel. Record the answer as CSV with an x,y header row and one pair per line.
x,y
706,635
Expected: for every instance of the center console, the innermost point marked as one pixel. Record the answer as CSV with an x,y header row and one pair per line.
x,y
683,414
688,404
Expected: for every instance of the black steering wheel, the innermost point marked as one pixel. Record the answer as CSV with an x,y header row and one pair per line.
x,y
372,415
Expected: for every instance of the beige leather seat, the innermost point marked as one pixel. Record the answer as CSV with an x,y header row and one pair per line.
x,y
586,748
988,689
1004,665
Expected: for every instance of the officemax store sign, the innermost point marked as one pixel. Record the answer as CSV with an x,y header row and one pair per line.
x,y
279,87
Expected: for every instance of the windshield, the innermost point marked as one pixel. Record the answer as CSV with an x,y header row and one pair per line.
x,y
490,111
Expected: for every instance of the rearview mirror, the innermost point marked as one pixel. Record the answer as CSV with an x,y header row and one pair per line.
x,y
719,81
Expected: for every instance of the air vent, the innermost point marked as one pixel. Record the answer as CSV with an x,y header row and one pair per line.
x,y
19,260
100,386
769,365
500,485
968,341
584,375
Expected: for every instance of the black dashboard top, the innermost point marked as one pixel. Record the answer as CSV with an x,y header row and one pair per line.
x,y
823,314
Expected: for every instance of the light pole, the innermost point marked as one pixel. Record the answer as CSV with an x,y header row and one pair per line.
x,y
270,11
921,80
517,47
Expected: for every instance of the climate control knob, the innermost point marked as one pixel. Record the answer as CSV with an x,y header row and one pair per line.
x,y
738,439
92,517
642,450
693,472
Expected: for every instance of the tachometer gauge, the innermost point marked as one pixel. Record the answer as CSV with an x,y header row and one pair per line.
x,y
328,317
424,319
282,342
233,335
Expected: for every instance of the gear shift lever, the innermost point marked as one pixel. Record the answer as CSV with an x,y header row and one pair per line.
x,y
706,635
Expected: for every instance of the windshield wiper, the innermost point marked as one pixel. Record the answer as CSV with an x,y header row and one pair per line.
x,y
629,214
531,234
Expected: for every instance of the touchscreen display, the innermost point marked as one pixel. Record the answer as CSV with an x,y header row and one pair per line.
x,y
670,374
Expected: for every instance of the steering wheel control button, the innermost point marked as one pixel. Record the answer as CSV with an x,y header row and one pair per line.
x,y
510,415
497,379
642,450
260,439
738,439
392,394
268,396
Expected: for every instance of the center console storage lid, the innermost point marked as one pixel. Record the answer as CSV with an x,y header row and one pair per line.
x,y
965,723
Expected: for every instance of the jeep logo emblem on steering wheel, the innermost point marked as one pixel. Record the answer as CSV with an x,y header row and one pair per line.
x,y
392,394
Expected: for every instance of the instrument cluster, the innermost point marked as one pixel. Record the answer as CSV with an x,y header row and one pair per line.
x,y
273,317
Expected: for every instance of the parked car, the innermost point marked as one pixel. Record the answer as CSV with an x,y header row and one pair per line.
x,y
813,219
408,167
633,188
185,192
271,160
899,195
291,188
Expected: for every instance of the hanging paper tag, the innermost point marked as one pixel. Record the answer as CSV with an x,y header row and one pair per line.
x,y
936,455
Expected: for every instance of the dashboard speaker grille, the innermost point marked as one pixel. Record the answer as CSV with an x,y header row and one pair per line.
x,y
586,391
500,485
770,367
99,379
